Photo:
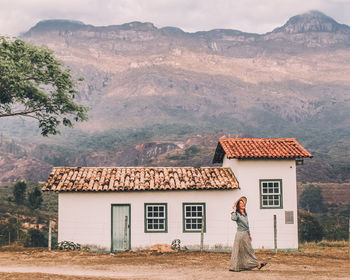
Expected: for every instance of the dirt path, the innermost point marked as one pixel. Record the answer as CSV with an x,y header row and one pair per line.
x,y
311,263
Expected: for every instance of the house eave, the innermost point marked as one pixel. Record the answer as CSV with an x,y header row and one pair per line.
x,y
141,191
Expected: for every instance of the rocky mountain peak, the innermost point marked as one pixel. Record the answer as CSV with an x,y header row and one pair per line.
x,y
45,26
313,21
138,26
54,24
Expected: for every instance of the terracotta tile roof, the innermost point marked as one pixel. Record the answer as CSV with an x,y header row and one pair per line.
x,y
119,179
259,148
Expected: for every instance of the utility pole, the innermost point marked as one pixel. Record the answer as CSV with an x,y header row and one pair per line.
x,y
202,234
275,232
50,230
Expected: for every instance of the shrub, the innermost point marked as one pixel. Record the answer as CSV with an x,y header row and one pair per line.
x,y
309,228
312,200
35,198
19,191
36,238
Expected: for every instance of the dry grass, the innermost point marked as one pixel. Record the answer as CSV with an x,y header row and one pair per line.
x,y
326,260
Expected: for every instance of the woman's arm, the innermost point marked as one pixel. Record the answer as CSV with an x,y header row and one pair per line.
x,y
234,216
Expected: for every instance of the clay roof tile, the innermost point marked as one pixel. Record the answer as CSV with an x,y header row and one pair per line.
x,y
263,148
139,179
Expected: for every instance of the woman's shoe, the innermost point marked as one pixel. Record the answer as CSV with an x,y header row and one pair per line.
x,y
261,265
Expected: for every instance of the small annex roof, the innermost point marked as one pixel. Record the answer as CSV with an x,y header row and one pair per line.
x,y
122,179
259,148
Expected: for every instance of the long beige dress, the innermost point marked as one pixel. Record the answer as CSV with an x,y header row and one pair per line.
x,y
242,257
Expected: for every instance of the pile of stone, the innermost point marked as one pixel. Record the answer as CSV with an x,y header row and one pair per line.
x,y
70,246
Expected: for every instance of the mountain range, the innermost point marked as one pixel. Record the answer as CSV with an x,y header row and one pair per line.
x,y
155,89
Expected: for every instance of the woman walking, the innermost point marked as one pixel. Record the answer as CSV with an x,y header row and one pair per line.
x,y
242,257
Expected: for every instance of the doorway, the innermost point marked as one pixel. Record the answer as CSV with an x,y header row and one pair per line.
x,y
120,227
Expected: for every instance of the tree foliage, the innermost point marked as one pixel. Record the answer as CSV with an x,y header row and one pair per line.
x,y
8,232
36,238
35,198
19,192
312,200
309,228
34,84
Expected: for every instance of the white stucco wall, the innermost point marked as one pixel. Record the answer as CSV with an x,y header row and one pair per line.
x,y
248,174
85,218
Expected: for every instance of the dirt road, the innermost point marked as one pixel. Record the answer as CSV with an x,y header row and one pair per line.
x,y
308,263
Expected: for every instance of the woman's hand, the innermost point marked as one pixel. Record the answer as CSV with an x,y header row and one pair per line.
x,y
250,237
234,208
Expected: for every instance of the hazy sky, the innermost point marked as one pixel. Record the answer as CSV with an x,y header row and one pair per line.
x,y
258,16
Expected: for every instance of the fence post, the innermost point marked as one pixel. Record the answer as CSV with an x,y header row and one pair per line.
x,y
202,234
125,232
275,232
50,233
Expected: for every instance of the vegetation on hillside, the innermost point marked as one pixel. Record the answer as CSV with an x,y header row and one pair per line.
x,y
25,213
319,221
76,147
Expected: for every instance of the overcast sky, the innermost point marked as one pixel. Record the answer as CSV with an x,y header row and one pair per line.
x,y
258,16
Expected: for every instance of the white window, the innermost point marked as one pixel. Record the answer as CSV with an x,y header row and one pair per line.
x,y
156,217
271,194
193,217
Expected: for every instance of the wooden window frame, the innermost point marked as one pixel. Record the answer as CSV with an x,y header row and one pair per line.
x,y
165,230
184,204
280,195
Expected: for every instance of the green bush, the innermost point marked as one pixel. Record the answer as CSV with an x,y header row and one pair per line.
x,y
19,192
35,198
36,238
309,228
7,231
192,150
311,199
335,226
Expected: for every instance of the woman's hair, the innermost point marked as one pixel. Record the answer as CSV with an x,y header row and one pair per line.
x,y
238,207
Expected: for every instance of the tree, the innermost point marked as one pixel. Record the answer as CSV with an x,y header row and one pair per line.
x,y
312,200
36,238
34,84
8,231
309,228
192,150
35,198
19,191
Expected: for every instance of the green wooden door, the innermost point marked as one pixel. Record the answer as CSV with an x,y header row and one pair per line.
x,y
120,227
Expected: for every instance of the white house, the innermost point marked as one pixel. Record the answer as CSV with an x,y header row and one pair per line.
x,y
266,172
121,208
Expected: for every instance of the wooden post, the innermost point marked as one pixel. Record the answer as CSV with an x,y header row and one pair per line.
x,y
17,227
49,245
202,234
125,233
275,232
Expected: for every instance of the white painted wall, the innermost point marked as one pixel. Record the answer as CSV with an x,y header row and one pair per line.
x,y
248,173
85,218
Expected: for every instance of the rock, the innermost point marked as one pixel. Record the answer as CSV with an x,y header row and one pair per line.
x,y
161,248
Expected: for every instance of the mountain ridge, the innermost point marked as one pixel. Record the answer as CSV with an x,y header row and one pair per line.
x,y
148,84
314,21
135,38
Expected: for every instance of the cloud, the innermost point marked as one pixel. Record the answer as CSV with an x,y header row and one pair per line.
x,y
191,15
